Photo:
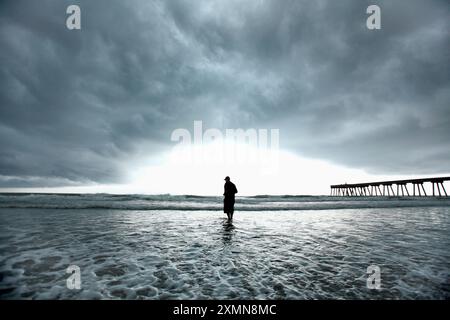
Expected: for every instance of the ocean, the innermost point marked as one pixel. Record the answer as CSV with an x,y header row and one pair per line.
x,y
182,247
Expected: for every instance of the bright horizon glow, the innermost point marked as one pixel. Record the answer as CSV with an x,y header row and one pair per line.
x,y
176,174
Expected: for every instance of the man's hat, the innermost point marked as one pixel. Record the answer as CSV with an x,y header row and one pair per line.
x,y
227,178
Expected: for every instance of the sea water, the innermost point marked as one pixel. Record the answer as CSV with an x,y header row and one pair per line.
x,y
182,247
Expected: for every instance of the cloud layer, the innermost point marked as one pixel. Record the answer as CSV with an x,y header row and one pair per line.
x,y
79,106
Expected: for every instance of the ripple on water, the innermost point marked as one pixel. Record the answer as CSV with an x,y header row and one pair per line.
x,y
196,255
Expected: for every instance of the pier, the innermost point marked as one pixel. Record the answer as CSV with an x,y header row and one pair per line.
x,y
385,188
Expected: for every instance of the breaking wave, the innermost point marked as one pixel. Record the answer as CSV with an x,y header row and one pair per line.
x,y
208,203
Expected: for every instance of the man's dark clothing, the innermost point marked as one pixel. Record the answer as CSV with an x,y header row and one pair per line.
x,y
228,201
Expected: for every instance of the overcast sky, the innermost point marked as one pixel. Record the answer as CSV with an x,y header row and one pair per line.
x,y
83,106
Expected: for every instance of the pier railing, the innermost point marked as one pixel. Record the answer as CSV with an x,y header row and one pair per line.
x,y
384,188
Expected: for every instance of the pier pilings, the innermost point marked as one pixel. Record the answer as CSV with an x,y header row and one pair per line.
x,y
385,188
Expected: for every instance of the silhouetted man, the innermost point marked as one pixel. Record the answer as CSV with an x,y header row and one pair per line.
x,y
228,201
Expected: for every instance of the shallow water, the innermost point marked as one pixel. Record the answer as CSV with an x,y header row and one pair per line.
x,y
306,254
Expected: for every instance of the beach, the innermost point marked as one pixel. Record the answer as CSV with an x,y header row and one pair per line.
x,y
182,247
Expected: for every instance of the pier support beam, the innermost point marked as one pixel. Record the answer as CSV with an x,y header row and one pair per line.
x,y
390,186
424,193
443,189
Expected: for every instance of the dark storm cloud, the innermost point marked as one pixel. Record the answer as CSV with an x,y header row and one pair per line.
x,y
80,106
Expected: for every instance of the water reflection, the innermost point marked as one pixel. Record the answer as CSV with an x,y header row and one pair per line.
x,y
227,232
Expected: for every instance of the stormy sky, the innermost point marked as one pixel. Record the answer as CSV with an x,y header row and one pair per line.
x,y
79,107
